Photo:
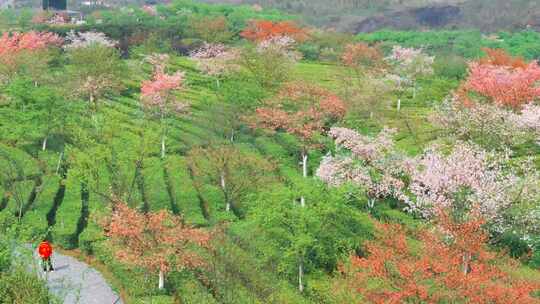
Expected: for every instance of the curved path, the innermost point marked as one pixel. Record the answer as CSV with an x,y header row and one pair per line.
x,y
76,282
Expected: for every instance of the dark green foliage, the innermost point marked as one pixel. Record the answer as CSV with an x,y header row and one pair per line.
x,y
320,234
466,44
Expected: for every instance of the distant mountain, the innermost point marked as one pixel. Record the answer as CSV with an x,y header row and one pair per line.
x,y
370,15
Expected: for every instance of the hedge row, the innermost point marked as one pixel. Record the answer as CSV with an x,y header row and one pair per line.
x,y
93,233
20,161
185,193
35,220
64,232
154,185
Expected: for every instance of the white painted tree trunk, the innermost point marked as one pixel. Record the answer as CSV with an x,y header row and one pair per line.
x,y
304,164
223,187
301,276
163,146
371,203
44,144
232,135
161,283
304,174
466,259
399,104
59,162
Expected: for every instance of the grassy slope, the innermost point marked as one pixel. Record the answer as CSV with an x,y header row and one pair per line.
x,y
192,130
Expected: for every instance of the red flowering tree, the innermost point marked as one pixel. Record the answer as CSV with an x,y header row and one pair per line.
x,y
451,265
157,94
302,110
364,88
503,80
157,241
261,30
362,57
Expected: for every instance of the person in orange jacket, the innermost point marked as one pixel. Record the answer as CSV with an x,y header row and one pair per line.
x,y
45,251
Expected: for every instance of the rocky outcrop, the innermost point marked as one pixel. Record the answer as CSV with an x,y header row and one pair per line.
x,y
432,17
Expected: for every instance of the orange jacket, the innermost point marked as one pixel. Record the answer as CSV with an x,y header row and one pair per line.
x,y
45,249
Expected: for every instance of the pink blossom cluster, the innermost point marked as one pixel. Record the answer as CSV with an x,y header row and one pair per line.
x,y
489,125
208,51
85,39
372,164
336,171
215,59
150,10
411,62
157,92
530,118
14,43
505,85
280,44
437,177
158,62
363,147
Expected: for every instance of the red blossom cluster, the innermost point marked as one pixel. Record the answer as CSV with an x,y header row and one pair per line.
x,y
261,30
155,241
157,92
12,44
451,266
503,80
300,109
361,55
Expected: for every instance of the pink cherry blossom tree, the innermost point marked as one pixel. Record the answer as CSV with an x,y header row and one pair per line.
x,y
157,94
408,65
85,39
369,162
216,60
530,118
486,124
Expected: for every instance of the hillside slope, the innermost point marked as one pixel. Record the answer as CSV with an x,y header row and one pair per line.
x,y
366,15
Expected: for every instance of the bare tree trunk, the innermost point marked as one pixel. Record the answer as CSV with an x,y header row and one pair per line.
x,y
161,284
232,135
